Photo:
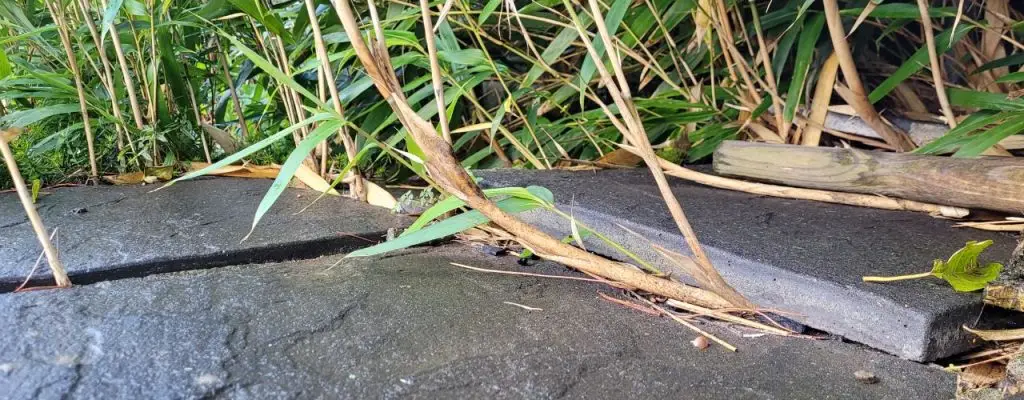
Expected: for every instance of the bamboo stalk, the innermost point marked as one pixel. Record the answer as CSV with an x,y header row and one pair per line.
x,y
781,124
619,90
234,93
933,57
108,74
358,186
860,102
435,71
449,174
56,267
199,120
65,40
819,104
128,81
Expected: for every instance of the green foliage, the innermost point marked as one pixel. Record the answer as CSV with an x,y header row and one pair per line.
x,y
963,271
518,200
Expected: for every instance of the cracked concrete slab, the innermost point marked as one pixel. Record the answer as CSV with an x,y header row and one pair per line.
x,y
408,325
799,256
121,231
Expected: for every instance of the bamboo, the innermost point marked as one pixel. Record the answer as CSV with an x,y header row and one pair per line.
x,y
108,74
65,40
358,189
128,81
234,93
860,102
619,90
450,175
56,267
819,104
936,66
435,72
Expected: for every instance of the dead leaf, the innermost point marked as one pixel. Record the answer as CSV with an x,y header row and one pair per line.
x,y
983,375
133,178
377,196
313,180
620,157
998,334
164,173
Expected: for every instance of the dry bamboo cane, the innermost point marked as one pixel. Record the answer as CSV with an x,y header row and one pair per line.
x,y
449,174
933,58
618,87
65,40
293,96
859,100
59,275
358,187
435,71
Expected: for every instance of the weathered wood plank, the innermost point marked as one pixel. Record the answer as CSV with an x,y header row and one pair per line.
x,y
985,183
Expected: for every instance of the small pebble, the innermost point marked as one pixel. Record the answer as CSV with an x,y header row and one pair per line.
x,y
6,368
865,377
78,211
700,342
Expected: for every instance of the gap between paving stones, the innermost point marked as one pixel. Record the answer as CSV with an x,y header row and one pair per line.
x,y
273,253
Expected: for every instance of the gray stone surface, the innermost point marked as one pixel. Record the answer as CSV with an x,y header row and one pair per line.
x,y
410,326
799,256
119,231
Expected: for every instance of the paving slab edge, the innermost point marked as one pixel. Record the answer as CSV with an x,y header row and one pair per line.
x,y
863,327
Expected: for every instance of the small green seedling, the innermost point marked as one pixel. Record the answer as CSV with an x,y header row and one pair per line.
x,y
962,270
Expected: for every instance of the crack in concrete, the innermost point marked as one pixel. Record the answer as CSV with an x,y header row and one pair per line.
x,y
14,224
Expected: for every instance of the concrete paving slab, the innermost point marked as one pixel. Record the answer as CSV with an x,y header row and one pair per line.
x,y
408,325
799,256
118,231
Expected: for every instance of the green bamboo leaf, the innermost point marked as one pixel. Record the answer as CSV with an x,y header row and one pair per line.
x,y
785,47
252,148
1007,61
269,68
984,100
51,142
23,118
918,60
804,56
108,17
445,228
488,10
981,142
1013,77
318,135
956,137
612,20
900,11
534,193
963,271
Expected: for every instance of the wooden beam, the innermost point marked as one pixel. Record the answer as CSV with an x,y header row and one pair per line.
x,y
985,183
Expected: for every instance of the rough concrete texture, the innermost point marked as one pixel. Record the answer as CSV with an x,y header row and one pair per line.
x,y
409,325
120,231
799,256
